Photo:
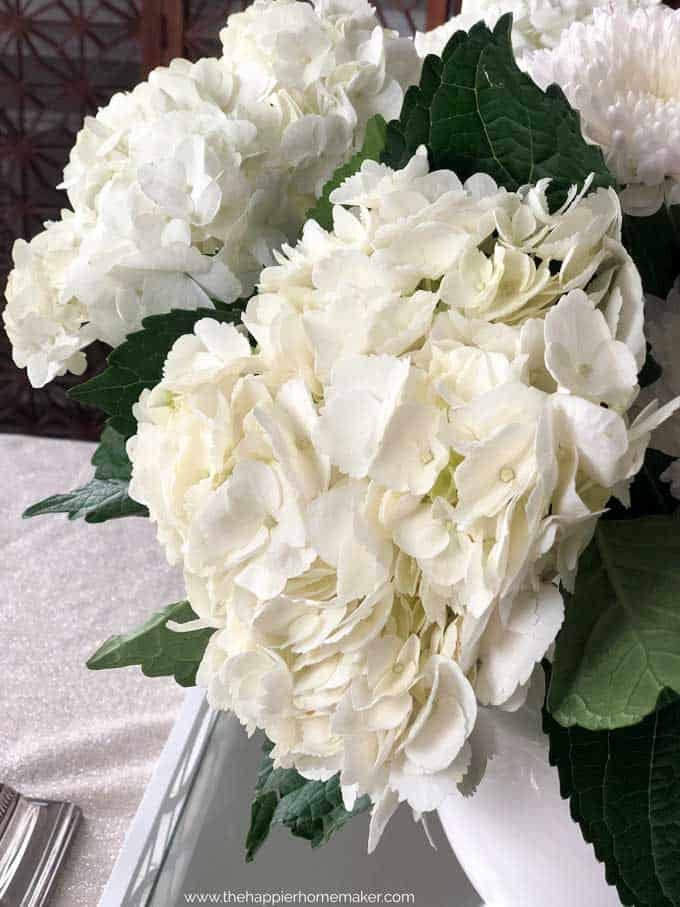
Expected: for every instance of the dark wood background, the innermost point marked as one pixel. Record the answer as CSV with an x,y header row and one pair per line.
x,y
61,60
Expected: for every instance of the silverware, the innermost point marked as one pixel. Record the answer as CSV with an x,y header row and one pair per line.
x,y
34,837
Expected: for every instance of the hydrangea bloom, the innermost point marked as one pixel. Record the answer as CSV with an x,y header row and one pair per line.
x,y
616,72
182,187
662,321
662,325
375,506
536,23
49,327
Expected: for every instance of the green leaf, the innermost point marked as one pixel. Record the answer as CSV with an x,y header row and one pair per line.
x,y
105,497
233,309
159,651
110,459
133,366
406,135
138,364
312,810
619,646
96,502
623,788
374,142
654,245
261,815
477,111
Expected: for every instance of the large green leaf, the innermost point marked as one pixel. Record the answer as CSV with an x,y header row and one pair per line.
x,y
654,245
105,497
478,112
312,810
159,651
374,143
619,646
624,791
138,364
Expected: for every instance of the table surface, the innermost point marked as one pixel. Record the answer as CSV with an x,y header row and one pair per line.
x,y
68,733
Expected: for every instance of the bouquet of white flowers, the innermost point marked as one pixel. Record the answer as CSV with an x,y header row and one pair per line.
x,y
410,472
182,188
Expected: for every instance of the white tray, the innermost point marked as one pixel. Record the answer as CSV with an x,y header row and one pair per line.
x,y
188,834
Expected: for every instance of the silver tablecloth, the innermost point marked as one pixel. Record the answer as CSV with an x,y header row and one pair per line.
x,y
66,732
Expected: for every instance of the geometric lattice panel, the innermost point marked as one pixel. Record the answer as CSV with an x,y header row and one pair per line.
x,y
59,60
203,21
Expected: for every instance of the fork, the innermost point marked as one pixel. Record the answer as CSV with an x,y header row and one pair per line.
x,y
34,837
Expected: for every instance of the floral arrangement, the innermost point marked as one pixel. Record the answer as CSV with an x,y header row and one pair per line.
x,y
537,24
182,188
394,425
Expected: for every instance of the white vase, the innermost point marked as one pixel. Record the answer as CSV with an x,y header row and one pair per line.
x,y
514,836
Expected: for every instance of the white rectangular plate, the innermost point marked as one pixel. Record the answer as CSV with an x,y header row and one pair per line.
x,y
188,835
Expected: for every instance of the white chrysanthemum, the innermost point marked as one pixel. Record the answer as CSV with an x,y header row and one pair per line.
x,y
185,185
375,507
621,74
536,23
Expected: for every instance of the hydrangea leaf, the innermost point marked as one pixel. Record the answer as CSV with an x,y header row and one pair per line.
x,y
654,245
105,497
138,364
312,810
623,788
619,646
374,143
159,651
412,129
478,112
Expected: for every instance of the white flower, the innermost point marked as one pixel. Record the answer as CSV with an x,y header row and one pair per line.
x,y
45,321
582,355
672,476
618,72
377,422
662,324
513,634
183,187
536,23
376,507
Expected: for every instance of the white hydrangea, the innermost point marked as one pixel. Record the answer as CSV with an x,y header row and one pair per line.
x,y
662,325
662,320
47,325
375,506
620,73
182,187
537,24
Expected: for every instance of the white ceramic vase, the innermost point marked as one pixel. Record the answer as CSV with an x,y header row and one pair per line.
x,y
514,836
